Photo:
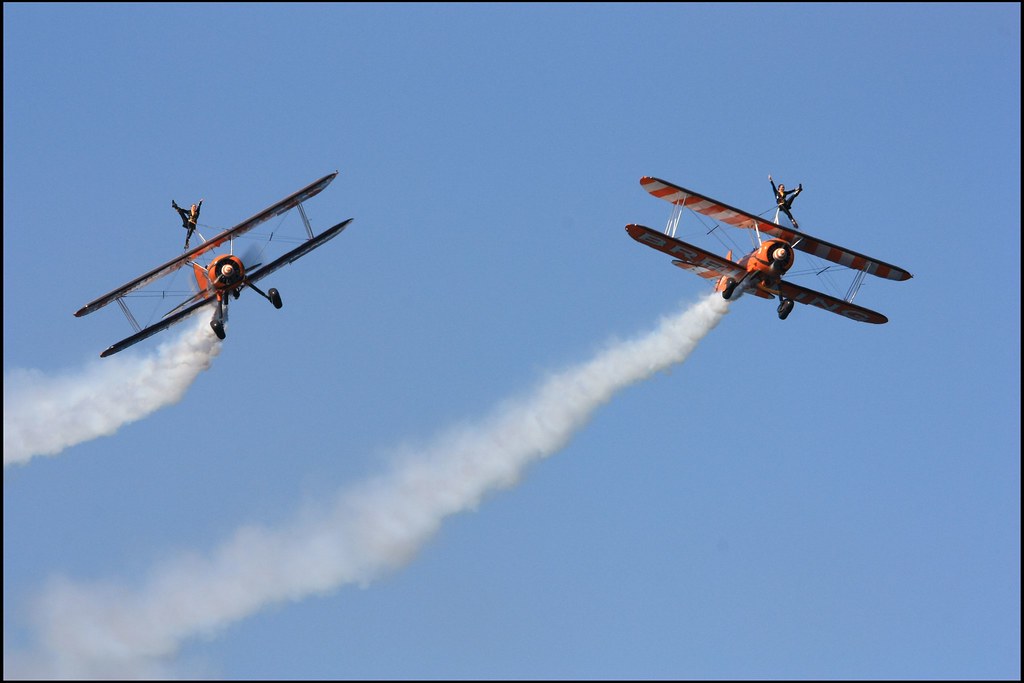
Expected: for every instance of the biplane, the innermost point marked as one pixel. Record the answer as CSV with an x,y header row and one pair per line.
x,y
761,271
224,276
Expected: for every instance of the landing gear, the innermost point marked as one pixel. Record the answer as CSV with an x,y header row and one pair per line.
x,y
785,306
220,316
273,296
730,287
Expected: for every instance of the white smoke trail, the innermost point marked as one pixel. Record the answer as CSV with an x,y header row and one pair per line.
x,y
108,629
44,415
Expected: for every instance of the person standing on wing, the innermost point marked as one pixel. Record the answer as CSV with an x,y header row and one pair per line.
x,y
189,219
782,198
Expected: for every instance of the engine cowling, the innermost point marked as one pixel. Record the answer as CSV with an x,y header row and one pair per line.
x,y
773,258
226,271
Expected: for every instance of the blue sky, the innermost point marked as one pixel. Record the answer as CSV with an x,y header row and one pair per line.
x,y
800,499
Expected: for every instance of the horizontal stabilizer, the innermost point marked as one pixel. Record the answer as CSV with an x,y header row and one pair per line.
x,y
704,272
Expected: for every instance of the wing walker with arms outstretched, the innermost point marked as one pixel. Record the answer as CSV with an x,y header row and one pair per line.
x,y
225,276
759,272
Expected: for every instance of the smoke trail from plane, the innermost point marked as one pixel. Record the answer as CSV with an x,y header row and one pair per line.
x,y
110,628
44,415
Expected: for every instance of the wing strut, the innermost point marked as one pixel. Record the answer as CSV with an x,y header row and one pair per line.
x,y
673,220
305,220
128,314
858,280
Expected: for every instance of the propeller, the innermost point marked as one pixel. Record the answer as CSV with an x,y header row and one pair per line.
x,y
252,252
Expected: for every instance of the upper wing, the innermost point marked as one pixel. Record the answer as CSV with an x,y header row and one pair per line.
x,y
153,329
741,219
704,263
299,251
245,226
830,304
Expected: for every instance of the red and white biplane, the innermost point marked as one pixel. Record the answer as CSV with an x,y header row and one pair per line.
x,y
760,272
224,276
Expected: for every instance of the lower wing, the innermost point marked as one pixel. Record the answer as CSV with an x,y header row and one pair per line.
x,y
695,259
158,327
828,303
301,250
708,266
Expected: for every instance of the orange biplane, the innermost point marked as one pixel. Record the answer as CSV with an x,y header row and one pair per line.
x,y
760,272
225,276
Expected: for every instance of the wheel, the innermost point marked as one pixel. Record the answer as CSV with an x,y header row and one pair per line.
x,y
784,308
218,328
275,298
730,287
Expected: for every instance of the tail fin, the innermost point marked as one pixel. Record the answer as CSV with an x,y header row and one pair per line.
x,y
202,277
